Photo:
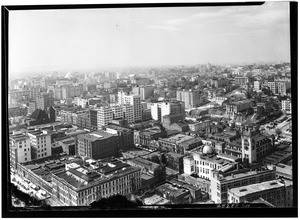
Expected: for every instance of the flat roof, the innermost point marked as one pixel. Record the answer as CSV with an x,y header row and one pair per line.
x,y
254,188
179,138
18,137
96,135
171,190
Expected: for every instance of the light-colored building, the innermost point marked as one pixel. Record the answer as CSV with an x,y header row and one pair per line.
x,y
221,182
190,98
156,111
80,186
40,144
255,145
117,111
286,106
20,150
104,116
203,164
272,191
134,100
257,86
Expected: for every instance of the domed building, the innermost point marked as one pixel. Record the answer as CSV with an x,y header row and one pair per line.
x,y
207,149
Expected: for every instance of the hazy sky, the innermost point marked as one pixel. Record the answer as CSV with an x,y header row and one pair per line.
x,y
49,40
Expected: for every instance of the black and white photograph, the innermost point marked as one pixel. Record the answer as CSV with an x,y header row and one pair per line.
x,y
150,110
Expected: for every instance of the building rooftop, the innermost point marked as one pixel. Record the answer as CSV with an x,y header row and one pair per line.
x,y
18,137
242,174
179,138
172,191
192,141
96,135
255,188
156,200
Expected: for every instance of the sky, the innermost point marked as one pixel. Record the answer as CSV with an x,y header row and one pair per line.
x,y
78,39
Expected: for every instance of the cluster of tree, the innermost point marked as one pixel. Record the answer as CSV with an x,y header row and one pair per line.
x,y
27,199
117,202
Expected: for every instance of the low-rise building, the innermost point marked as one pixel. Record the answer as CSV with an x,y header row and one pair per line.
x,y
272,191
221,182
81,186
203,164
172,143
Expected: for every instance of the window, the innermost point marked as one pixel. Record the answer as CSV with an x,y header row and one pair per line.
x,y
45,154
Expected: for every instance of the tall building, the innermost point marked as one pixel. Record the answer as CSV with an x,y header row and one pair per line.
x,y
40,144
257,86
254,145
156,111
128,113
104,116
134,100
20,150
44,101
146,92
93,119
273,87
31,107
117,111
97,145
286,106
172,108
190,98
242,80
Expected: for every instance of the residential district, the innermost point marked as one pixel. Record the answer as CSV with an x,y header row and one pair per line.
x,y
203,134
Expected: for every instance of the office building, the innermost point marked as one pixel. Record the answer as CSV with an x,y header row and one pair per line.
x,y
44,101
235,107
97,145
221,182
40,141
104,116
125,135
271,191
146,92
80,186
190,98
19,147
135,101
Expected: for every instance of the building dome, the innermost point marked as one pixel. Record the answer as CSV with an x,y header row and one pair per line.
x,y
207,149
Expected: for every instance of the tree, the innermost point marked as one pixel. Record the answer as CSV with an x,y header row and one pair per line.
x,y
278,131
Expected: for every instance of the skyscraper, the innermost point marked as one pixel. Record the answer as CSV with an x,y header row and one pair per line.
x,y
134,100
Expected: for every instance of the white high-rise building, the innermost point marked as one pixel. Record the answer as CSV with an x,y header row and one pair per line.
x,y
134,100
20,150
286,106
40,144
256,86
117,111
104,116
156,111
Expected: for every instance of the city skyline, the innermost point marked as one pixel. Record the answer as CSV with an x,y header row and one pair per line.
x,y
100,38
